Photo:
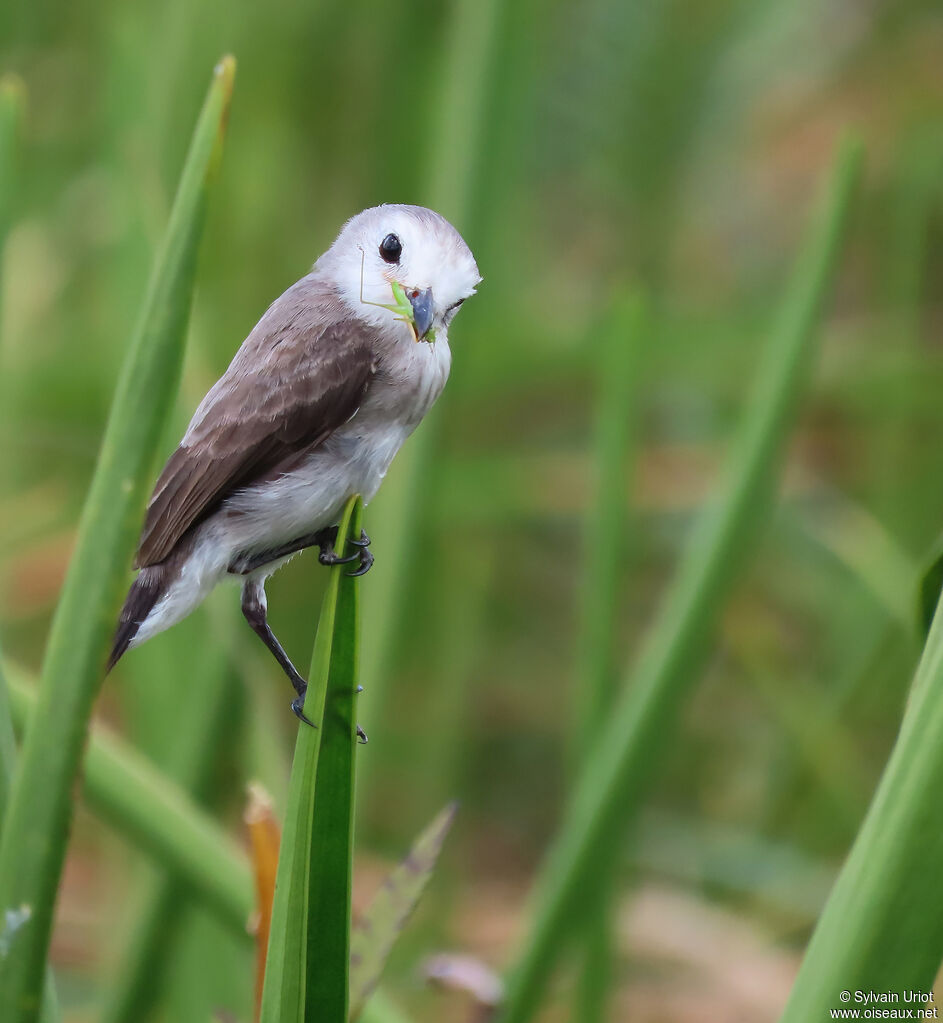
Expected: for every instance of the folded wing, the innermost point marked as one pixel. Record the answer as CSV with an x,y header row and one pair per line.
x,y
293,382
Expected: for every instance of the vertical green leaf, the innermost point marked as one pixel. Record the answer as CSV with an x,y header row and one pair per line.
x,y
202,714
330,861
50,1005
397,522
306,973
12,104
35,835
127,791
614,779
620,347
882,927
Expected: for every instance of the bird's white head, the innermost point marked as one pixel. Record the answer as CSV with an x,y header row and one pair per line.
x,y
411,246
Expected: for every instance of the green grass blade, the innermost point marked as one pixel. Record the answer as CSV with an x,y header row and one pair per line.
x,y
33,844
300,882
330,863
619,352
397,522
620,349
50,1007
202,717
881,928
7,745
12,105
373,935
614,779
142,803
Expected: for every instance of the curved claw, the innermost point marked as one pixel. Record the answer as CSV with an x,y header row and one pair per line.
x,y
297,706
330,558
366,563
364,540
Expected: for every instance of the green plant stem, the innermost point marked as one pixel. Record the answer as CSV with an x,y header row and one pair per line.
x,y
615,778
882,927
142,803
619,346
200,730
151,811
35,835
295,987
399,516
327,987
50,1004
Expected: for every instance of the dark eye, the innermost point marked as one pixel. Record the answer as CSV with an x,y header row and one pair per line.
x,y
390,248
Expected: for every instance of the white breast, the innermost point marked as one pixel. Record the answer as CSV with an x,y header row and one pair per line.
x,y
353,460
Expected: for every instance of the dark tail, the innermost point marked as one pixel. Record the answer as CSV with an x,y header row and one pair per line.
x,y
145,591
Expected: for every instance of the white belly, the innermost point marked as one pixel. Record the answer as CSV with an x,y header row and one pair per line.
x,y
353,460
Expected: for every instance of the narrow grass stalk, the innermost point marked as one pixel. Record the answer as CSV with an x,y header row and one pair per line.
x,y
615,778
145,806
398,524
882,927
330,855
50,1006
620,347
199,735
35,835
7,744
125,789
12,105
307,966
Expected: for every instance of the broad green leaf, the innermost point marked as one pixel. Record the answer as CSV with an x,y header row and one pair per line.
x,y
36,827
374,934
306,972
882,927
615,778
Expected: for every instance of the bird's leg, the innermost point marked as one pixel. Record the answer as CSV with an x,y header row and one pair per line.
x,y
245,563
254,609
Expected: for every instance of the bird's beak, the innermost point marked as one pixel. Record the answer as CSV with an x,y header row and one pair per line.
x,y
423,311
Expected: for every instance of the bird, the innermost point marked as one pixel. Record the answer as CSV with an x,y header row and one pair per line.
x,y
337,373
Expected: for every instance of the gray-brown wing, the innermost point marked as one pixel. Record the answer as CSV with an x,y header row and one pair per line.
x,y
281,395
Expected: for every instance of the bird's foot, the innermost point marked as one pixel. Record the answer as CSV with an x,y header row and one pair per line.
x,y
329,556
361,736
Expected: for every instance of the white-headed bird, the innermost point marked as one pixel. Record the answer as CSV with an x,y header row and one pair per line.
x,y
311,411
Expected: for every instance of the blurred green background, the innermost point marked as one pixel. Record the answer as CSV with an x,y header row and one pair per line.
x,y
583,149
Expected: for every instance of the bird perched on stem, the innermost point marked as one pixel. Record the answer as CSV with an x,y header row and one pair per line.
x,y
311,411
